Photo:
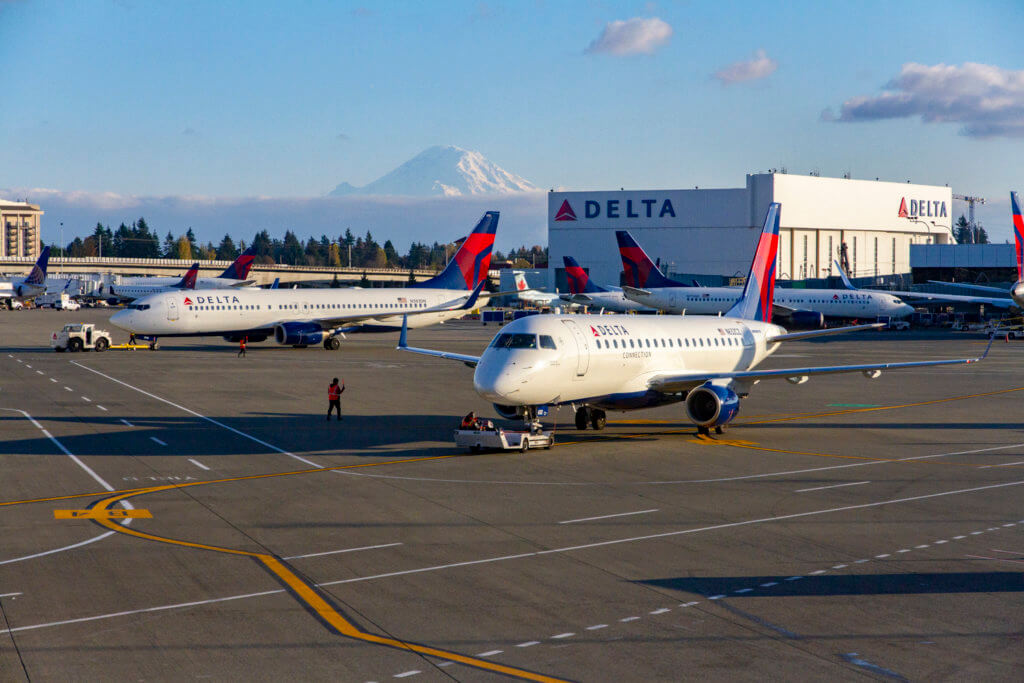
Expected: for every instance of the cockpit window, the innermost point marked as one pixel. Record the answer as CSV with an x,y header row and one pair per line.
x,y
546,342
515,341
139,307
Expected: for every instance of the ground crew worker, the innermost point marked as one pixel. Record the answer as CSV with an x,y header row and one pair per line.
x,y
470,421
334,392
241,346
131,340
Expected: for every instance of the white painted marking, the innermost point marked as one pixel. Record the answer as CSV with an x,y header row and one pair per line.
x,y
769,584
839,566
621,514
660,611
60,550
993,528
1005,464
27,365
1009,524
816,572
9,595
198,464
68,388
529,643
628,619
101,407
448,663
861,561
959,538
562,635
741,590
834,486
940,542
53,379
40,372
882,556
715,597
919,547
127,422
903,550
162,443
597,627
201,416
794,578
87,399
406,674
489,653
689,604
346,550
975,533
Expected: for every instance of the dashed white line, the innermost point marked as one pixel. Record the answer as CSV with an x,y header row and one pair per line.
x,y
66,388
715,597
489,653
958,538
562,635
406,674
529,643
860,561
1004,464
689,604
127,422
597,627
87,399
739,590
815,573
975,533
660,611
769,584
794,578
903,550
621,514
101,407
53,379
9,595
628,619
198,464
40,372
992,528
882,556
162,443
1009,524
27,365
344,550
840,566
940,542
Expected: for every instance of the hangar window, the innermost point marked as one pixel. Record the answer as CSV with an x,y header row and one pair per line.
x,y
546,342
515,341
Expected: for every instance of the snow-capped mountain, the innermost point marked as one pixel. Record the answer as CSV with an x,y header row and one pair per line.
x,y
443,171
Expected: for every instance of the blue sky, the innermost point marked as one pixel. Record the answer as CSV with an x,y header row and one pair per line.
x,y
239,99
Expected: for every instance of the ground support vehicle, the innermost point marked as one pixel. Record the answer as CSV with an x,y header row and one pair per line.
x,y
477,440
80,337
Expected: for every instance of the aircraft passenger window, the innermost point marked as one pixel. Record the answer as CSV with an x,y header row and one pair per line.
x,y
515,341
615,342
701,341
546,342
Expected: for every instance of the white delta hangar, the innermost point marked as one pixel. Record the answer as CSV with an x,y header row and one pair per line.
x,y
712,231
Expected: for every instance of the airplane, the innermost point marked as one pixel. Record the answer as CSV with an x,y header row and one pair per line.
x,y
32,285
532,296
1012,297
302,317
585,292
799,307
595,363
233,276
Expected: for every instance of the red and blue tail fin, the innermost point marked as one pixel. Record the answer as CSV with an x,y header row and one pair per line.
x,y
189,280
759,292
1018,233
37,276
239,270
471,262
579,281
640,270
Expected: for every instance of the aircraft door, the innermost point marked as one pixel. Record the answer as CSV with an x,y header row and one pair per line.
x,y
582,348
172,309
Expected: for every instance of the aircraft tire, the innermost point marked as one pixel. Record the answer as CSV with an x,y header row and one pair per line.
x,y
582,417
719,429
598,418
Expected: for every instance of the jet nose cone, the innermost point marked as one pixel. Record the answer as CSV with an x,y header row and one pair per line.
x,y
903,310
495,382
121,319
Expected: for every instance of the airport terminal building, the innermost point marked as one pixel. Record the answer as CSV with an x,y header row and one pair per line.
x,y
868,225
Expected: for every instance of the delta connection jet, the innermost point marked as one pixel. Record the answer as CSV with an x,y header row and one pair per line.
x,y
596,363
301,317
30,286
1015,293
800,307
585,292
233,276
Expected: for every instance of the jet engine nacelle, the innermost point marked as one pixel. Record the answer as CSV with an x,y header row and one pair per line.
x,y
1018,291
710,405
509,412
298,334
807,320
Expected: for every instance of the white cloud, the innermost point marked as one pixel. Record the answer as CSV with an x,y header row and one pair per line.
x,y
986,100
759,66
631,37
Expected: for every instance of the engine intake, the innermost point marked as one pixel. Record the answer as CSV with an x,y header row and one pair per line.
x,y
509,412
710,405
298,334
808,320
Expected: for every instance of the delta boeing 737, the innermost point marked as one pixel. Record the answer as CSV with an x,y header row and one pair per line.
x,y
304,317
595,363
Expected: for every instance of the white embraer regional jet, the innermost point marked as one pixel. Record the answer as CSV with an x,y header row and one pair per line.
x,y
302,317
626,362
800,307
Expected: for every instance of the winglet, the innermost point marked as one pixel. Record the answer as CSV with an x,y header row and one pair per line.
x,y
403,338
842,274
471,302
759,292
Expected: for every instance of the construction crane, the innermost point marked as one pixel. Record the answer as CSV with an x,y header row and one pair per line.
x,y
971,201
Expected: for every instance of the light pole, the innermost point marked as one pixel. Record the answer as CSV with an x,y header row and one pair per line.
x,y
925,224
62,247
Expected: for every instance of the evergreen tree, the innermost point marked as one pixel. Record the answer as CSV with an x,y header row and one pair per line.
x,y
962,231
293,252
982,237
226,251
170,249
264,247
390,255
191,237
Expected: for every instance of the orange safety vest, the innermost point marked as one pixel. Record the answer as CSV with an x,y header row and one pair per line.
x,y
334,392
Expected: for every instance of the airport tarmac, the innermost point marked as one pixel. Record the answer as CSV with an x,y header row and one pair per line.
x,y
187,514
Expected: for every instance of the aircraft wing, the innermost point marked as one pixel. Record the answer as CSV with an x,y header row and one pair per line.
x,y
403,345
964,285
465,303
687,380
999,302
791,336
635,291
243,283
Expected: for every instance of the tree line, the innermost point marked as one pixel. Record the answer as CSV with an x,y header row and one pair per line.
x,y
138,240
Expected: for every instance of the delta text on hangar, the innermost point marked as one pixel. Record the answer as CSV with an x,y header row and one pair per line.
x,y
710,234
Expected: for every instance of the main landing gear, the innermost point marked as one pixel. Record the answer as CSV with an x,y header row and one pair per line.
x,y
706,431
596,417
332,343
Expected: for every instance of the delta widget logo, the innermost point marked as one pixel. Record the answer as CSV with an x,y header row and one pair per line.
x,y
565,212
188,302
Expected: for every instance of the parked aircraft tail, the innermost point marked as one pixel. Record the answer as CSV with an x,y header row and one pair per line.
x,y
189,280
759,292
579,280
1018,233
37,276
641,272
239,270
471,262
